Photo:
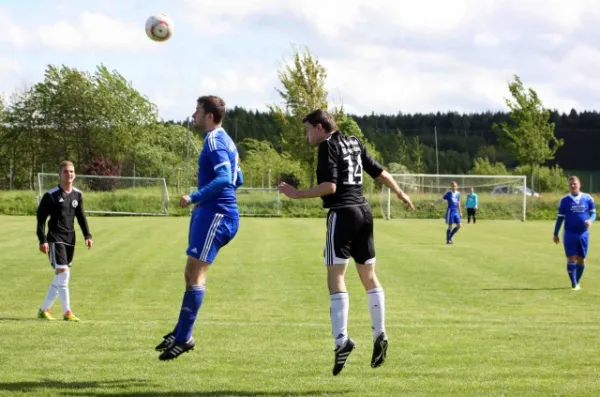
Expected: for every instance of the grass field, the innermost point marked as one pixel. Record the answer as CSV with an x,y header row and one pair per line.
x,y
492,315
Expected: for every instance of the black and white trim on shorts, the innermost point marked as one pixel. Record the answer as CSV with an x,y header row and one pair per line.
x,y
330,256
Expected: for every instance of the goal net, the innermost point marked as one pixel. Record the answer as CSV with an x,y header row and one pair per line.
x,y
115,195
256,201
499,196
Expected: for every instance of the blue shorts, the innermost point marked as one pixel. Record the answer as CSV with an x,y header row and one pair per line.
x,y
576,244
452,217
209,232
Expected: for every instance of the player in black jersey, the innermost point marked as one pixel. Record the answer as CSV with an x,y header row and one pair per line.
x,y
62,203
341,160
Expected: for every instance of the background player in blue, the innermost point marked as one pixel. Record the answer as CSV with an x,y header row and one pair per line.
x,y
578,212
215,219
453,213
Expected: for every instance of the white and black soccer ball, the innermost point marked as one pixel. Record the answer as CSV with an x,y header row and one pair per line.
x,y
159,27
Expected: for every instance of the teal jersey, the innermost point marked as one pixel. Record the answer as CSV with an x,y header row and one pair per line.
x,y
472,201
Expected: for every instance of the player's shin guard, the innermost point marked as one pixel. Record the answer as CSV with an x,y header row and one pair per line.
x,y
192,300
579,270
61,281
377,310
340,305
453,232
572,272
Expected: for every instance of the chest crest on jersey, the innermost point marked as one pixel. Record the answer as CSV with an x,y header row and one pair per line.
x,y
74,203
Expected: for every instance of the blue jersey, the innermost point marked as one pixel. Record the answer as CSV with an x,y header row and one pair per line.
x,y
453,199
219,150
576,210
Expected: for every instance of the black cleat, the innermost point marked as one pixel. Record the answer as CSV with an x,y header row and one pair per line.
x,y
379,350
341,355
177,349
168,340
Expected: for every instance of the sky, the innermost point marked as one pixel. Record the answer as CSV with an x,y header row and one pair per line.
x,y
382,56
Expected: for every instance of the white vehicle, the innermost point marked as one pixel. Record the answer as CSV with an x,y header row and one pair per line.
x,y
504,190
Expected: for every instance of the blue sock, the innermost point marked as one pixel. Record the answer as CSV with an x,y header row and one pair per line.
x,y
192,300
448,235
453,232
572,271
580,269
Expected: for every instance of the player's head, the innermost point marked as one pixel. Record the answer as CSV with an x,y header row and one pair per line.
x,y
210,111
453,186
67,172
318,125
574,184
472,189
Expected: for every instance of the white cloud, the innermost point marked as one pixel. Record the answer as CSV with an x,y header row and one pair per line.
x,y
381,55
486,40
92,32
12,33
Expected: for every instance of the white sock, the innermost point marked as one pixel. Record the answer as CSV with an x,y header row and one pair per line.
x,y
50,298
340,304
377,310
61,280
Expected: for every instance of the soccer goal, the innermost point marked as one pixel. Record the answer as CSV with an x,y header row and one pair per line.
x,y
115,195
499,196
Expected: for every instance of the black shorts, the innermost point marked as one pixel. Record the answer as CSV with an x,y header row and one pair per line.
x,y
471,211
61,255
350,234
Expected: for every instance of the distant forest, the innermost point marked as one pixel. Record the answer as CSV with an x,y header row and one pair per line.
x,y
461,137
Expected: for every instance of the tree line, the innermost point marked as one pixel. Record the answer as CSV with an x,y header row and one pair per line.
x,y
102,123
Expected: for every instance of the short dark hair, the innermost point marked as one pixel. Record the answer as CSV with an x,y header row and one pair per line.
x,y
214,105
575,177
322,117
65,164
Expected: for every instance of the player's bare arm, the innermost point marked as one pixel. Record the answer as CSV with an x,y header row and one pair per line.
x,y
323,189
389,181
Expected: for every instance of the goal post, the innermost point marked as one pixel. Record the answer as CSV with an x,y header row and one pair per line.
x,y
115,195
499,196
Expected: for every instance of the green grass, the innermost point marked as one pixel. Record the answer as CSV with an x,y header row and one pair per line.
x,y
492,315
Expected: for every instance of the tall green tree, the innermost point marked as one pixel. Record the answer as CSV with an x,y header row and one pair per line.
x,y
303,90
529,135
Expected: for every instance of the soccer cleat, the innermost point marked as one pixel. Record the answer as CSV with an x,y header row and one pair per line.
x,y
168,340
177,349
70,317
341,355
379,350
576,288
45,315
449,242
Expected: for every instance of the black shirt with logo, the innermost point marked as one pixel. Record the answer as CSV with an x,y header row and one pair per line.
x,y
62,208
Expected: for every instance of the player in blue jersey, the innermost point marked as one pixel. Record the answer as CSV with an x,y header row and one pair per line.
x,y
577,210
215,219
453,212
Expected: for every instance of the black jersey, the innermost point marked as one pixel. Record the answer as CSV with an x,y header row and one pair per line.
x,y
62,208
341,160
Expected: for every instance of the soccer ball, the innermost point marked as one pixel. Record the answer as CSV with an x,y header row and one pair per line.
x,y
159,27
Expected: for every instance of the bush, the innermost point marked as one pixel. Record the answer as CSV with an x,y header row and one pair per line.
x,y
101,165
545,179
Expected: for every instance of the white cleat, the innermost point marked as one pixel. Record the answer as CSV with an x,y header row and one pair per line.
x,y
576,288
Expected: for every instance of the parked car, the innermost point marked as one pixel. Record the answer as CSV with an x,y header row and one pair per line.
x,y
504,190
